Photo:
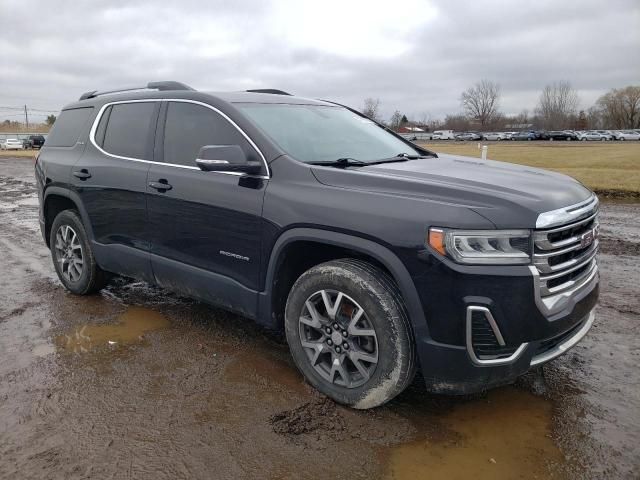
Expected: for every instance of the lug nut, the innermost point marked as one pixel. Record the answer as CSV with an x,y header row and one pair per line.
x,y
338,350
344,333
328,330
345,345
335,325
329,342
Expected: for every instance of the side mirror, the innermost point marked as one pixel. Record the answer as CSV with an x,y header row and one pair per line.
x,y
226,158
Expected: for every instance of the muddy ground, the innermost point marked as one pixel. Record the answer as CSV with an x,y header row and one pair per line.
x,y
139,383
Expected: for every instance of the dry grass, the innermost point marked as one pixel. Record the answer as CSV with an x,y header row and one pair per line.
x,y
18,153
611,168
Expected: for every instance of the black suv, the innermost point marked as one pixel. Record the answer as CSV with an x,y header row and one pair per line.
x,y
375,256
33,141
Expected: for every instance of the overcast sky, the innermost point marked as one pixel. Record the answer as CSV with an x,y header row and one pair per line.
x,y
415,56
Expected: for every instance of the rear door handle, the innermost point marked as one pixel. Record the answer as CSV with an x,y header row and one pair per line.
x,y
82,174
161,185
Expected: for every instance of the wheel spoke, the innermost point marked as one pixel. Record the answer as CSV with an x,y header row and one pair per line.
x,y
332,309
356,355
338,367
314,321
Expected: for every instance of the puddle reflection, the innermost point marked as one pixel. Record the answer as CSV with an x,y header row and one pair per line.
x,y
131,327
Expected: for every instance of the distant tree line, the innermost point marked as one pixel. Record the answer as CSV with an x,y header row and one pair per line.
x,y
557,109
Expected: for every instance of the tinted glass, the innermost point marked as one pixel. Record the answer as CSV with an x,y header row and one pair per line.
x,y
129,130
68,127
313,133
102,126
189,127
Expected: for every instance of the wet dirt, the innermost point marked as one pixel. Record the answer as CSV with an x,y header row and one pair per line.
x,y
190,391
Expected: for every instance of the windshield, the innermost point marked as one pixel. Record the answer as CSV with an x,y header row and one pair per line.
x,y
315,133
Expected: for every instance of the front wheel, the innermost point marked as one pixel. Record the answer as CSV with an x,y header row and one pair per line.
x,y
349,334
72,255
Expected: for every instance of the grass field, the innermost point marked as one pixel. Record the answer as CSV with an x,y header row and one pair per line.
x,y
18,153
610,168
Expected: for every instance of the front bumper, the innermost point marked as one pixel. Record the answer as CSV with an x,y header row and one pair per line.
x,y
533,332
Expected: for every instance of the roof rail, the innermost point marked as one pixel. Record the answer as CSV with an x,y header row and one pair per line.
x,y
161,86
273,91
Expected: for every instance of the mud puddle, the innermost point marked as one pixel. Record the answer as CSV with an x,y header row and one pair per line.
x,y
507,434
132,325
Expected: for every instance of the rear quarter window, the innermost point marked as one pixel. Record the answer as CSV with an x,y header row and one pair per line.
x,y
129,130
68,127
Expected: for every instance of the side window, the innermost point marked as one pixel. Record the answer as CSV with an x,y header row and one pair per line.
x,y
189,127
102,126
68,127
129,130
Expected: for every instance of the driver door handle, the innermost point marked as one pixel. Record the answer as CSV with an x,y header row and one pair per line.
x,y
82,174
161,185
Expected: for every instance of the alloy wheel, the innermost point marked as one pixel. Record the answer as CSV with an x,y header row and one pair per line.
x,y
338,338
69,253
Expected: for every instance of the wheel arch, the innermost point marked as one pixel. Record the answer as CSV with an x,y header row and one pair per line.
x,y
271,303
55,200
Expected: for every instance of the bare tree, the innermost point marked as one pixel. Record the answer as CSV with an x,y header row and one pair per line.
x,y
481,101
396,120
620,108
372,108
557,105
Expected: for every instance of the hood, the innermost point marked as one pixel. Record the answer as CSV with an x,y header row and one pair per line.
x,y
508,195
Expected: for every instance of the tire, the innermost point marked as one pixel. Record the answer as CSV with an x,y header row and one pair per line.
x,y
583,139
379,359
551,139
68,236
622,139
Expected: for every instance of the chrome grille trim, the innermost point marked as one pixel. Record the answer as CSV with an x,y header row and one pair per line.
x,y
568,214
541,261
563,267
541,238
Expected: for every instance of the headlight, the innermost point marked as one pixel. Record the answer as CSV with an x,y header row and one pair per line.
x,y
483,247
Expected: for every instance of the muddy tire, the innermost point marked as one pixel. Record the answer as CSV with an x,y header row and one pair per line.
x,y
72,256
349,333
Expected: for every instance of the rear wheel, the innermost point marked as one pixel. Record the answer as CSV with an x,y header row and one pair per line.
x,y
349,333
72,255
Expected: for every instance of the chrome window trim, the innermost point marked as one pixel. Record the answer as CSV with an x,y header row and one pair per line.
x,y
94,127
565,346
568,214
493,362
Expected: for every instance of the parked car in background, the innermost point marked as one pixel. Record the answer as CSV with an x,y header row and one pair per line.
x,y
508,135
33,141
593,136
524,136
566,135
443,135
494,136
608,134
541,135
627,135
11,144
468,136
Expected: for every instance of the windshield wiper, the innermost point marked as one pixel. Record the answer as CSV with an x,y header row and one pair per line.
x,y
341,162
401,157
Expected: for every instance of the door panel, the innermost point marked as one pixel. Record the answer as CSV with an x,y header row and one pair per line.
x,y
206,220
112,188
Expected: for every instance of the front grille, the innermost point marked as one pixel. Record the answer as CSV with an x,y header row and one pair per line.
x,y
565,256
484,341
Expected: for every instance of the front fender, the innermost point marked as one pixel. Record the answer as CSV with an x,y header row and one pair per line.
x,y
382,254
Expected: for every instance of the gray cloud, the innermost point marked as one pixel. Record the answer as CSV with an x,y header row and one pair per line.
x,y
415,56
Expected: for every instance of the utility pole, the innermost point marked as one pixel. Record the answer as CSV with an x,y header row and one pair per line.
x,y
26,117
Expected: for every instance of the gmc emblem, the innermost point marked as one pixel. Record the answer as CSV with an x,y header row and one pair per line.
x,y
586,239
